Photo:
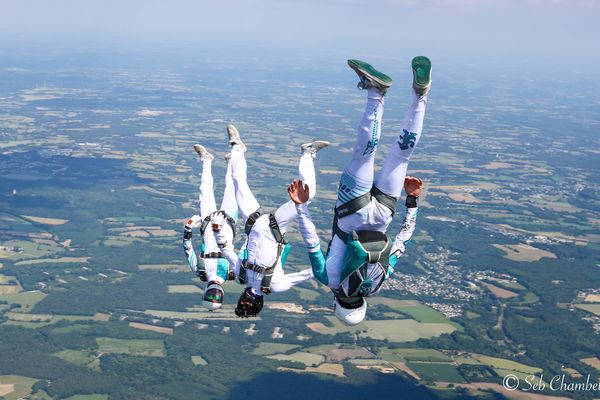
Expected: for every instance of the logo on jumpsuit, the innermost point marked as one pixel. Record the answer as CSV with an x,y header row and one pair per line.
x,y
372,145
407,139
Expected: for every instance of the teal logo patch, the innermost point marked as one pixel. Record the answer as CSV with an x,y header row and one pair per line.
x,y
407,139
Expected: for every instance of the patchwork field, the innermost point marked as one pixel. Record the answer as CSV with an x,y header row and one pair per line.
x,y
24,299
153,328
395,330
308,359
593,308
326,368
45,221
82,260
13,387
78,357
523,252
592,362
425,355
499,292
138,347
436,371
267,348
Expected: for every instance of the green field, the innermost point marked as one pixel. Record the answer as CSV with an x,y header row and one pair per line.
x,y
138,347
25,299
267,348
88,397
428,355
593,308
79,357
308,359
394,330
21,386
436,372
498,363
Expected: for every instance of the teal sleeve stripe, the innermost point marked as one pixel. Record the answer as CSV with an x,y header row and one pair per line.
x,y
319,266
393,261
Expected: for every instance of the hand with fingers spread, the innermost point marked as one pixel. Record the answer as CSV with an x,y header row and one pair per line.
x,y
298,192
413,186
218,220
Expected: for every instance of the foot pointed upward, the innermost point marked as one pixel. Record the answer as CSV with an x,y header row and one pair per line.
x,y
203,153
313,147
234,137
370,77
421,67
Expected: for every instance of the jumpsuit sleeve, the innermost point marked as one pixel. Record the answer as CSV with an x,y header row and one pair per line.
x,y
313,244
188,248
227,249
403,237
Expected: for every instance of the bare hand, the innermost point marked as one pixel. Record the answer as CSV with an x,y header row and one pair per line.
x,y
413,186
298,192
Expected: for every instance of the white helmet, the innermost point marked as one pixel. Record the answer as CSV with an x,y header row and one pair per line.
x,y
213,296
350,316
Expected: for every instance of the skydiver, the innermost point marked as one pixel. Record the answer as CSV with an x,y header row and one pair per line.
x,y
361,255
210,265
261,264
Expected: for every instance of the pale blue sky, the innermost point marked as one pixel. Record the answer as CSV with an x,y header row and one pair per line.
x,y
560,31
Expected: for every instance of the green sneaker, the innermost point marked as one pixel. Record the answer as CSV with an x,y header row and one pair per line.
x,y
421,67
370,77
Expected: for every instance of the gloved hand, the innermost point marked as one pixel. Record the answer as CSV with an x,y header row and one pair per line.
x,y
218,220
194,222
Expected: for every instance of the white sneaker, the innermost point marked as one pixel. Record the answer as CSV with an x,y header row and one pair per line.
x,y
234,137
313,147
203,153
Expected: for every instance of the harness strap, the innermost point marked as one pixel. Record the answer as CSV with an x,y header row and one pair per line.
x,y
214,254
266,271
385,199
251,220
355,205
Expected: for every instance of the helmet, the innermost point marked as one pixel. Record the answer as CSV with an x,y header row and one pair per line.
x,y
213,296
350,314
249,304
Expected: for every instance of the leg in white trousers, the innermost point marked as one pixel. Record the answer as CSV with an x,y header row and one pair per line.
x,y
357,178
207,194
246,201
390,179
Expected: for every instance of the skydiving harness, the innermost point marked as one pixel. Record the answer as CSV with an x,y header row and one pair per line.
x,y
282,245
356,204
366,259
215,254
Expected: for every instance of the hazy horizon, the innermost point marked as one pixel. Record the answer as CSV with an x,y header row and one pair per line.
x,y
547,33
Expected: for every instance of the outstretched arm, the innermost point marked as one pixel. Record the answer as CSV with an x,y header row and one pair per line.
x,y
413,187
188,248
299,193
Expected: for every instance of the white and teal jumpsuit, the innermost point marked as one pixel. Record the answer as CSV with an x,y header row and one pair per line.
x,y
217,268
357,179
261,247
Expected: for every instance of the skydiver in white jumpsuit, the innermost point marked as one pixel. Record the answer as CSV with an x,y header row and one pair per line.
x,y
262,261
361,255
210,265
